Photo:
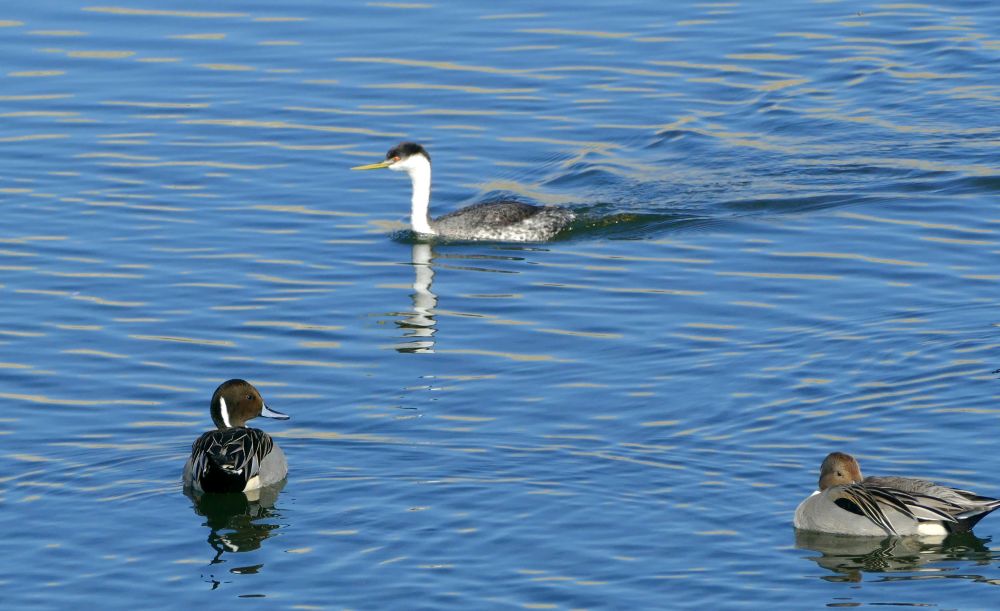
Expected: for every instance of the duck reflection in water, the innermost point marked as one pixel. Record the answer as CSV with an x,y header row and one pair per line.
x,y
238,521
850,557
420,324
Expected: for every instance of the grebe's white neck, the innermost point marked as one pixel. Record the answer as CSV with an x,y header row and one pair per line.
x,y
419,169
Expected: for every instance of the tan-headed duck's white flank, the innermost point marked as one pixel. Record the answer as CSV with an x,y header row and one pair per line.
x,y
848,504
501,221
235,458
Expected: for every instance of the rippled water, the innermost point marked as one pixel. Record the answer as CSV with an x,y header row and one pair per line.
x,y
787,245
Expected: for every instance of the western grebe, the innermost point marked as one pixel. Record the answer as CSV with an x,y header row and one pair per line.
x,y
503,221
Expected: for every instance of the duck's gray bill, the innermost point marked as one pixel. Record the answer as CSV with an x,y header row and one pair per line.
x,y
267,412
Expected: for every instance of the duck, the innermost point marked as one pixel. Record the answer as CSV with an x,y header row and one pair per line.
x,y
849,504
235,457
499,221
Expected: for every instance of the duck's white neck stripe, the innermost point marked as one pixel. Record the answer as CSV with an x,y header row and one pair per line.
x,y
224,410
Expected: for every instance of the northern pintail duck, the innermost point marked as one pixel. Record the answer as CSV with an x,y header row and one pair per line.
x,y
235,458
848,504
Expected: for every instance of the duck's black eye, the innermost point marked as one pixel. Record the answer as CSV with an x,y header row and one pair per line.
x,y
249,397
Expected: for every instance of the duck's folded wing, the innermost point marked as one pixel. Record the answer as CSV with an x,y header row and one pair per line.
x,y
870,503
919,507
934,501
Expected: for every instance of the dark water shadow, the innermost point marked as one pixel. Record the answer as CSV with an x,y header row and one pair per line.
x,y
771,206
849,558
238,523
604,221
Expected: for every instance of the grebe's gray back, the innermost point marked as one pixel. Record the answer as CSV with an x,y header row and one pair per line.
x,y
503,221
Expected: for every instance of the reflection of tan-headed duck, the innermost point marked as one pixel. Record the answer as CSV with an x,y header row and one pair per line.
x,y
848,504
501,221
235,458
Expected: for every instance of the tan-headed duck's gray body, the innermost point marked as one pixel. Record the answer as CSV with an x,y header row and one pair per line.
x,y
849,504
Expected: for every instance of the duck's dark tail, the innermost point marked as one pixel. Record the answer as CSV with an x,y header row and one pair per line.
x,y
222,474
971,518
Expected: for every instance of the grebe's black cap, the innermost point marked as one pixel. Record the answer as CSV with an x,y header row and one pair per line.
x,y
407,149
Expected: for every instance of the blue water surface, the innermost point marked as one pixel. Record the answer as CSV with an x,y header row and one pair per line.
x,y
787,244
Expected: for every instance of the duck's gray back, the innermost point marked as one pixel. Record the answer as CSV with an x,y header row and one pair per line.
x,y
952,501
921,487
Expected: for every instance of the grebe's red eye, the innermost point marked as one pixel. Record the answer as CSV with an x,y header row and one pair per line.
x,y
396,158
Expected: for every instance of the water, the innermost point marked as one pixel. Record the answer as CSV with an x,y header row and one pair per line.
x,y
788,245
